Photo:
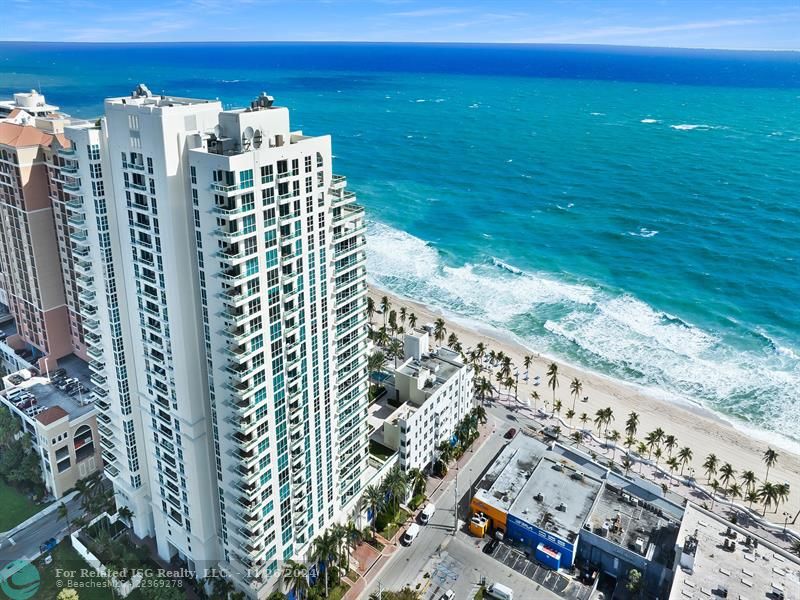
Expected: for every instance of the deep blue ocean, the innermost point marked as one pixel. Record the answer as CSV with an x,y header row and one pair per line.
x,y
633,211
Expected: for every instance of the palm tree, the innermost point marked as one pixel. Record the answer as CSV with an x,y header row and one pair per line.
x,y
599,419
576,387
370,309
416,480
685,456
484,388
727,473
372,501
534,397
767,495
63,513
640,450
781,494
672,463
376,363
396,485
480,413
526,362
353,537
632,424
735,491
751,496
386,304
627,464
770,458
629,442
557,406
403,315
570,414
324,549
439,330
412,320
295,578
658,454
796,548
670,443
395,350
613,437
452,340
552,378
714,488
576,436
710,465
608,417
584,418
748,479
125,513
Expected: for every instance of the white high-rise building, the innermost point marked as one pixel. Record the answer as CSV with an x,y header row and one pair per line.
x,y
230,293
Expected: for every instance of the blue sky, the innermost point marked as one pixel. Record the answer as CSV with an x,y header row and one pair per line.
x,y
739,24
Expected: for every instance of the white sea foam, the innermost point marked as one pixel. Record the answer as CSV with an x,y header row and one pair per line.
x,y
643,233
666,355
597,114
691,127
475,105
649,121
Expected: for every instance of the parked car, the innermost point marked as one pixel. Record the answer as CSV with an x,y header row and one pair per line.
x,y
500,591
448,595
410,534
427,513
491,546
48,545
510,433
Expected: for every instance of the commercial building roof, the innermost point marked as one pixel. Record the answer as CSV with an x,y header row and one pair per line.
x,y
438,368
724,557
557,498
510,471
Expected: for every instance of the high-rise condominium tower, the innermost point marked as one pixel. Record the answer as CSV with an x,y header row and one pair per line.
x,y
230,290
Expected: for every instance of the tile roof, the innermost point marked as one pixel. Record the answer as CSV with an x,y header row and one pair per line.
x,y
22,136
51,415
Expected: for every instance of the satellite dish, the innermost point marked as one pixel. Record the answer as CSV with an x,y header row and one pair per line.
x,y
247,137
257,138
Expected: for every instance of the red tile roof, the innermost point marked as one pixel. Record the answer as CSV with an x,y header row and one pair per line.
x,y
22,136
51,415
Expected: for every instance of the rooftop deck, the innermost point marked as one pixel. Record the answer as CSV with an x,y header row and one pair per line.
x,y
724,560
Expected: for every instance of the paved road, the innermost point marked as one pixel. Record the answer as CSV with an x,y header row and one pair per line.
x,y
454,561
25,543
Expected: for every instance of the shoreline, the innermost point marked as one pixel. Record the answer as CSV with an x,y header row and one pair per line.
x,y
693,425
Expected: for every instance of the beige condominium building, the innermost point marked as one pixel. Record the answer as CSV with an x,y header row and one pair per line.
x,y
62,427
36,267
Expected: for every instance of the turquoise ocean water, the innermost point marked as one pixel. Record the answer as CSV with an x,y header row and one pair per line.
x,y
633,212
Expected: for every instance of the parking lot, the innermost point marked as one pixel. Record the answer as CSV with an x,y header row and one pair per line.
x,y
544,577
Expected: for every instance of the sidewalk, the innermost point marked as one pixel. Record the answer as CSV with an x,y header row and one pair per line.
x,y
434,488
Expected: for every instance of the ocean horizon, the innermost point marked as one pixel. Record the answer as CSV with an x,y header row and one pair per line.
x,y
632,211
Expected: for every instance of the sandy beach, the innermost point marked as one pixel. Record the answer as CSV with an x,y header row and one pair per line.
x,y
703,432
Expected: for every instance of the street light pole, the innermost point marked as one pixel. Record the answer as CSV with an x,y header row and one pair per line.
x,y
786,516
455,506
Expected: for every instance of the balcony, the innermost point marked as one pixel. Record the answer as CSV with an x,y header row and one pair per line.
x,y
225,189
86,295
66,152
98,380
348,213
91,325
136,186
133,165
77,221
341,198
95,352
233,209
75,204
338,182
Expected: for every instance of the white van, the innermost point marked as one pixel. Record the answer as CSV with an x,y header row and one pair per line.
x,y
427,513
500,591
410,534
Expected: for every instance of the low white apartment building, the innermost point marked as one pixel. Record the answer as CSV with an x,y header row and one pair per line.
x,y
435,389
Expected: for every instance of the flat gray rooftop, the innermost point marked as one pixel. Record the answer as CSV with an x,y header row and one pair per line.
x,y
441,369
627,519
746,571
557,498
510,471
48,395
